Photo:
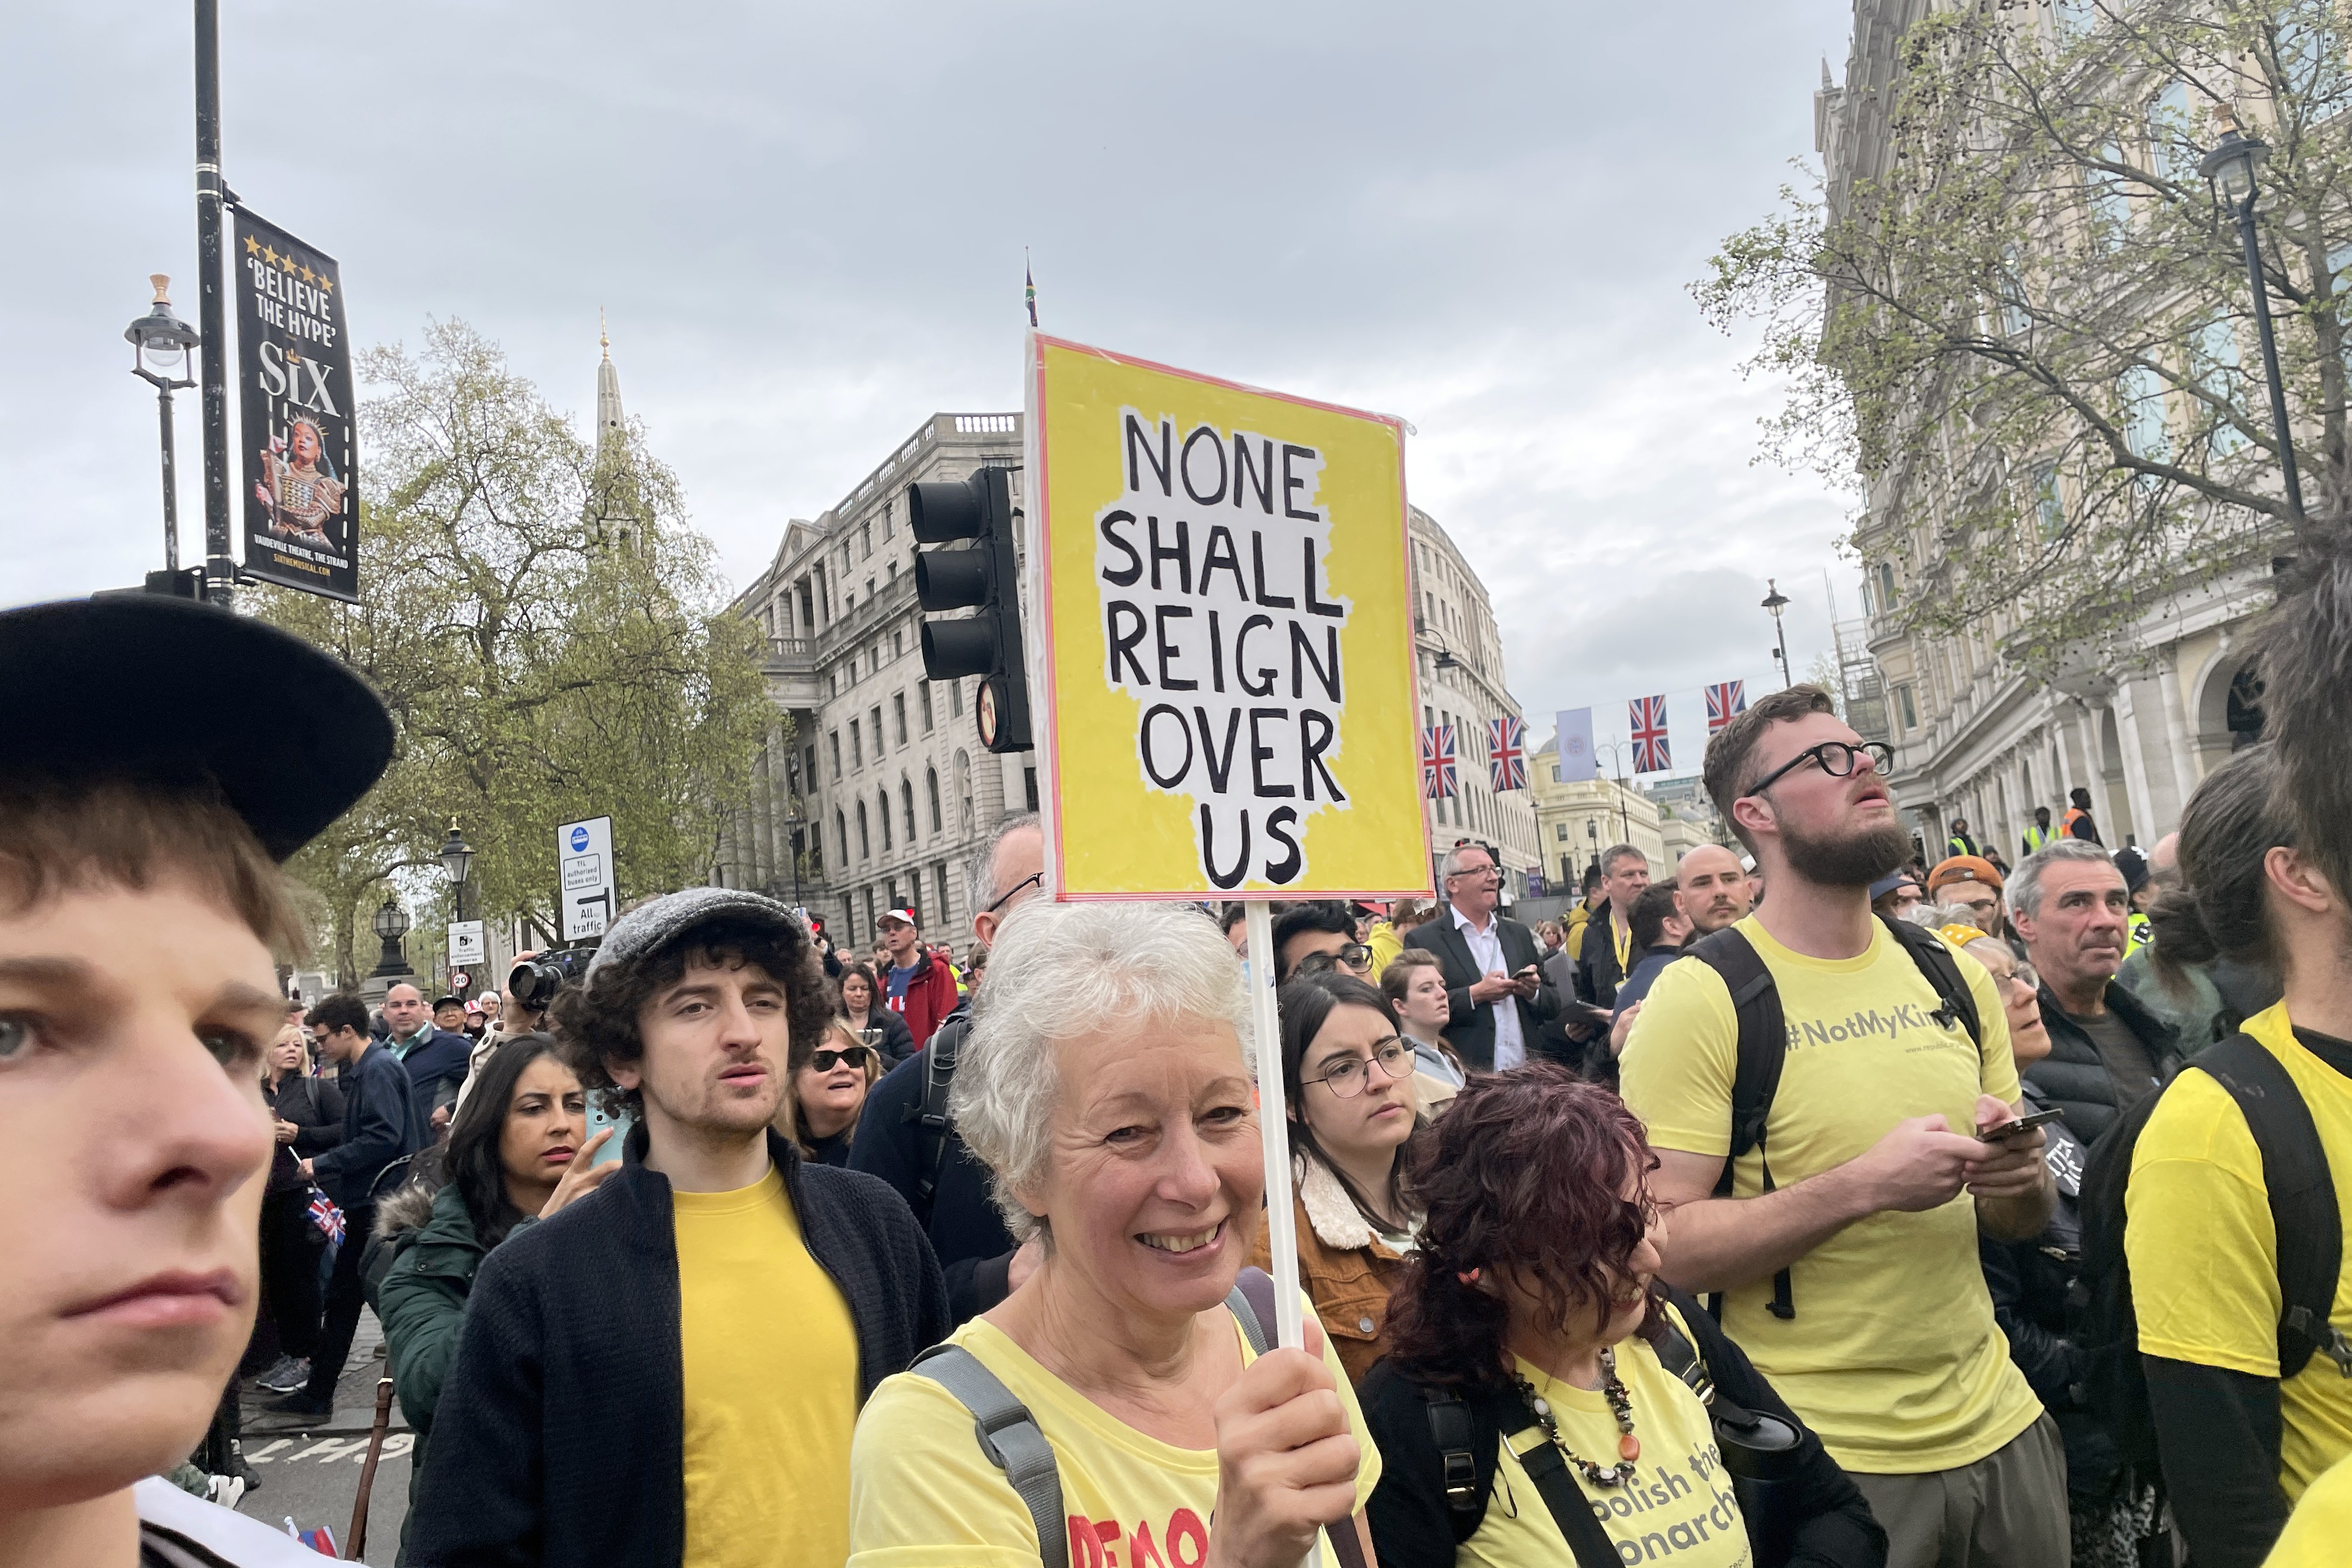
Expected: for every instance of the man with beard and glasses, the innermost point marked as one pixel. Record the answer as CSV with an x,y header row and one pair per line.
x,y
1836,1233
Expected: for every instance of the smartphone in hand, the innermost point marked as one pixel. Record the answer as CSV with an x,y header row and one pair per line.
x,y
2017,1125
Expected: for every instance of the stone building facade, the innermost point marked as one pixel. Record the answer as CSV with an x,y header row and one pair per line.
x,y
2137,723
873,789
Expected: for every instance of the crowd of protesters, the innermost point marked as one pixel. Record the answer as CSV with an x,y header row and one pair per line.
x,y
1804,1206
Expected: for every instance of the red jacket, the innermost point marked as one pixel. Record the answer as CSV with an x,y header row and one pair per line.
x,y
930,998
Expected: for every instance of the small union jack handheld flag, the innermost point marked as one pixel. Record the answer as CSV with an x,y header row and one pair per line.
x,y
326,1216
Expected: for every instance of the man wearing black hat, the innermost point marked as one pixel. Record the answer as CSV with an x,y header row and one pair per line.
x,y
670,1370
163,758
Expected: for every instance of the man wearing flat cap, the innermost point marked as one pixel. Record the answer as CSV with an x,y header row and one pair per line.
x,y
668,1370
163,758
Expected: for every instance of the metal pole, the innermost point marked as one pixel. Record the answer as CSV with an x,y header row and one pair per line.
x,y
220,569
2269,358
170,485
1788,676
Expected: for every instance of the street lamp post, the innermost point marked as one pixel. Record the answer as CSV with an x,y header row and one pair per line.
x,y
1617,761
391,924
160,341
457,861
1776,602
2230,168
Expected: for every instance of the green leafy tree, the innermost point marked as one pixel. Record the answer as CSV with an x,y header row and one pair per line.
x,y
552,638
2020,323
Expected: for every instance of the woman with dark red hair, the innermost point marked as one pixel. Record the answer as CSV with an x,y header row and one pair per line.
x,y
1548,1399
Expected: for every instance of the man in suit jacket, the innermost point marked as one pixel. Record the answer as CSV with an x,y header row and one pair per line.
x,y
1494,981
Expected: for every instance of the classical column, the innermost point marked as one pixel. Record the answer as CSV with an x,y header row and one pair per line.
x,y
2184,772
2143,808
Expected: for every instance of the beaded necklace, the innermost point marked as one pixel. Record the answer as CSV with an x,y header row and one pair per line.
x,y
1621,1404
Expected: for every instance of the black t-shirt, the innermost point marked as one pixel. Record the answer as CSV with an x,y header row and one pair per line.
x,y
2127,1061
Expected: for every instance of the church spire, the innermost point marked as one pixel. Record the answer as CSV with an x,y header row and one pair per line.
x,y
609,423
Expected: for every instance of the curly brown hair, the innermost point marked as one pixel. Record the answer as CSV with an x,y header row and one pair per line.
x,y
1522,1172
597,1023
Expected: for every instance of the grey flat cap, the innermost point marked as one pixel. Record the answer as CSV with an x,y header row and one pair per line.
x,y
651,927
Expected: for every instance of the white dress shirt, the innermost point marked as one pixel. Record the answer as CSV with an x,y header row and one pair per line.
x,y
1486,953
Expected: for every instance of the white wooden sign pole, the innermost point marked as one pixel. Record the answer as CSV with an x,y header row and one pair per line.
x,y
1273,1125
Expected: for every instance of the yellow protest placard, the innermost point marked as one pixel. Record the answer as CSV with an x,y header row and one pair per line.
x,y
1222,665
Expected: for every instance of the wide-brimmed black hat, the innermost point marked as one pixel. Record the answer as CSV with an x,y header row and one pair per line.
x,y
170,689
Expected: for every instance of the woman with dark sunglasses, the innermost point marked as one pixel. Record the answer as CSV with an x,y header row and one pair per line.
x,y
828,1084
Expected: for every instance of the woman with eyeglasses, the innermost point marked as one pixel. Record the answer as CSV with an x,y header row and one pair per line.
x,y
1348,1075
827,1092
886,1031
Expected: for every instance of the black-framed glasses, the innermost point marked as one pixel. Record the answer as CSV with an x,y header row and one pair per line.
x,y
1349,1076
1033,879
1355,956
830,1058
1836,758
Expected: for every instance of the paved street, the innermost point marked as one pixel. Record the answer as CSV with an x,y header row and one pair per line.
x,y
311,1471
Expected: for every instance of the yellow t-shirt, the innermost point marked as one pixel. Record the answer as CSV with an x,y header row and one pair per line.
x,y
2204,1256
1893,1356
1679,1509
2318,1531
770,1362
923,1495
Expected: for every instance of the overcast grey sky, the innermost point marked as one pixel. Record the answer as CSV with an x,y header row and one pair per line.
x,y
806,224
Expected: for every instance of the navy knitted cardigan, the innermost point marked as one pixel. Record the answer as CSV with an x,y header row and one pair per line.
x,y
560,1434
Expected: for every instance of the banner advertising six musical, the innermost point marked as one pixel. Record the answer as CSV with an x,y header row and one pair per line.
x,y
294,370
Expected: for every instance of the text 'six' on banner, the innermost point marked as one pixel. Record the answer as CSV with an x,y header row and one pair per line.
x,y
295,407
1224,656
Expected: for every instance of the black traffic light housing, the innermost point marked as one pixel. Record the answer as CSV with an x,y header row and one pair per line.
x,y
983,573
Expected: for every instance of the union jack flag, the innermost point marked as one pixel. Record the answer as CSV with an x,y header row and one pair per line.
x,y
326,1216
1724,702
1437,762
1507,753
1645,724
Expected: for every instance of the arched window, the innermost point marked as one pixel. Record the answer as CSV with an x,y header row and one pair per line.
x,y
882,809
931,789
865,843
907,805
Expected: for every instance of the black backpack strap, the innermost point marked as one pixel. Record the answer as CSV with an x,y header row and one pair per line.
x,y
1009,1436
1933,954
2303,1209
931,1115
1541,1458
1763,1034
1454,1432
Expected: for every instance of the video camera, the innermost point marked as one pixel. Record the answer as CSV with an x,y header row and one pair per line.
x,y
534,981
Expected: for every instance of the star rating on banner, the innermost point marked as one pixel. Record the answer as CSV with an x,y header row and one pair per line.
x,y
286,264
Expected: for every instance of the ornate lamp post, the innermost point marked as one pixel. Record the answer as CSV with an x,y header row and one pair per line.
x,y
2230,168
457,860
391,923
162,341
1776,602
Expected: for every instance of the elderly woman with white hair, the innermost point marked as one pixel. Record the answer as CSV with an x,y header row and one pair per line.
x,y
1107,1084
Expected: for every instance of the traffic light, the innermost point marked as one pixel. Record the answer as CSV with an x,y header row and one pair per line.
x,y
983,573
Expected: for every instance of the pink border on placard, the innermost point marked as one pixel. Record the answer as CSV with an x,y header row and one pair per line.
x,y
1041,498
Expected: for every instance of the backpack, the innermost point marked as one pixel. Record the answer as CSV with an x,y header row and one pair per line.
x,y
2303,1214
1009,1436
1764,1045
939,1054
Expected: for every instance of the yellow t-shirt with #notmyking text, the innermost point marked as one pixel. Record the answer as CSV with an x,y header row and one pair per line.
x,y
1679,1507
771,1385
2204,1253
923,1495
1893,1356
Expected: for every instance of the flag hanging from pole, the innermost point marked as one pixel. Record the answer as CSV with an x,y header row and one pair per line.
x,y
1645,726
1506,752
1437,762
1573,731
1029,280
1724,703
